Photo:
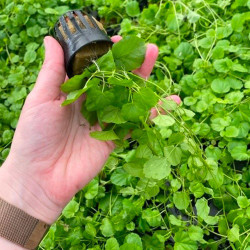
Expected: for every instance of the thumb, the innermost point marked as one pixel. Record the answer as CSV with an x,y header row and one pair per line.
x,y
52,74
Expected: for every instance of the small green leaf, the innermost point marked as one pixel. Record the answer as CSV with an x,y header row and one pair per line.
x,y
51,11
213,152
197,189
157,168
90,230
171,22
238,21
131,226
223,65
175,184
190,100
112,244
247,84
106,62
30,56
145,98
176,138
201,106
5,153
104,135
195,233
184,242
217,179
238,150
234,97
218,124
32,46
143,151
248,212
243,202
173,155
107,228
202,208
132,8
126,25
212,220
112,114
70,210
124,82
127,246
183,50
223,226
206,42
127,191
153,217
174,221
91,189
135,168
234,233
120,178
129,53
193,17
133,238
203,212
234,83
220,85
3,19
181,200
34,31
231,131
73,96
73,84
132,112
164,121
98,100
239,68
7,136
223,32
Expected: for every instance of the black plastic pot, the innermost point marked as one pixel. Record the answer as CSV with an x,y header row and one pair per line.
x,y
82,38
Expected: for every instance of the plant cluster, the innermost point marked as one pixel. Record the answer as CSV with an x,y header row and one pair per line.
x,y
182,180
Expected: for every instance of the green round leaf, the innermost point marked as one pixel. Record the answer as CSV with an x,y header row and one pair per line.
x,y
132,8
157,168
153,217
71,209
220,85
107,228
164,121
181,200
243,202
112,244
195,233
129,53
184,242
30,56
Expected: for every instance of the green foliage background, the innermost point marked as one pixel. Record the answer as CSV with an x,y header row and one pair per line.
x,y
204,57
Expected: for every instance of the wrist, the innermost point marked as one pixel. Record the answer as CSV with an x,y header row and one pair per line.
x,y
7,245
26,193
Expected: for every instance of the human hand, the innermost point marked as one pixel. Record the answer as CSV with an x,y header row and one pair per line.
x,y
52,156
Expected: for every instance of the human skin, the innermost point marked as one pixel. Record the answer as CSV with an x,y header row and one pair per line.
x,y
52,156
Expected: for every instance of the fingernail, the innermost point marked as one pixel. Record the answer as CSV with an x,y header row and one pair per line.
x,y
46,41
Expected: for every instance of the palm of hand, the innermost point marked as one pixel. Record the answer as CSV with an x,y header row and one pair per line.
x,y
58,151
59,154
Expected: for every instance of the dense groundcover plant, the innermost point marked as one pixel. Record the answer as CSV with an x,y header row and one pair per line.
x,y
182,180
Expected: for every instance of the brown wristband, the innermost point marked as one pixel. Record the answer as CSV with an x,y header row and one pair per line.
x,y
19,227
